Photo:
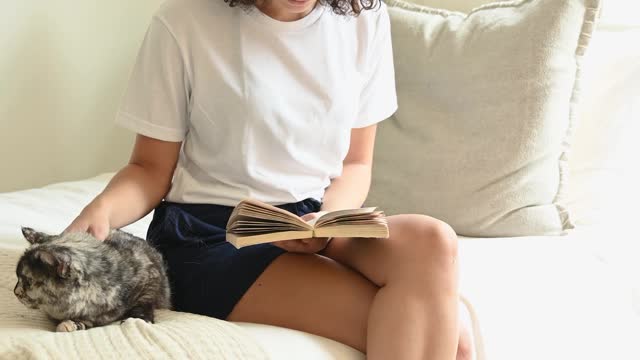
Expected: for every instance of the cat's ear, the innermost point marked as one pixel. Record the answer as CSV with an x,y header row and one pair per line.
x,y
58,263
34,237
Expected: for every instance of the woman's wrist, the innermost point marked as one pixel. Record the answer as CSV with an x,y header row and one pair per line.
x,y
100,203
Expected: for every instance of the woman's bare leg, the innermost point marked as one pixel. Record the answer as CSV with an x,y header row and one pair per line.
x,y
395,298
414,314
310,293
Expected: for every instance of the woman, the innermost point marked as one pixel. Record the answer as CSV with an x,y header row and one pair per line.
x,y
278,100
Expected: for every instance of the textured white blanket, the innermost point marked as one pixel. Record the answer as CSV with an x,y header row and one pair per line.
x,y
29,334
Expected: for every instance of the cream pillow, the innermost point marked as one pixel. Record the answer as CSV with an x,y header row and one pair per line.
x,y
486,112
604,171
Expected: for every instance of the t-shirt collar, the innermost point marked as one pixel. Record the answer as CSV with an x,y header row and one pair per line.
x,y
296,25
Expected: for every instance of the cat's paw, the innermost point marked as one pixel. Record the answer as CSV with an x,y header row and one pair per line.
x,y
148,321
69,326
149,318
144,312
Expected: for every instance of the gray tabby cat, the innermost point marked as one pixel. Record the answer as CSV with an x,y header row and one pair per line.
x,y
83,282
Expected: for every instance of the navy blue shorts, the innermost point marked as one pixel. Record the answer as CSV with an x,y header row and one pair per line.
x,y
208,275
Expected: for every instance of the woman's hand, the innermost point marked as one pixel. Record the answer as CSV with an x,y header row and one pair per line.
x,y
307,246
94,219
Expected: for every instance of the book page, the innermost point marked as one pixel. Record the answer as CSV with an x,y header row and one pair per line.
x,y
363,213
271,208
251,209
376,215
353,222
355,231
240,241
313,221
343,213
246,226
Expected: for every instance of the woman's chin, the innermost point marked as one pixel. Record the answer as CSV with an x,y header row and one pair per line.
x,y
300,6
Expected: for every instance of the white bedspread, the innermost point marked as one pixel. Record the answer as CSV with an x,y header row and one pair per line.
x,y
537,298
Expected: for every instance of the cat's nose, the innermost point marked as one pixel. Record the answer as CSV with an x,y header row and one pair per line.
x,y
18,291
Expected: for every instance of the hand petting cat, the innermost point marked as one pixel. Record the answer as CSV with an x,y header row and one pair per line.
x,y
94,220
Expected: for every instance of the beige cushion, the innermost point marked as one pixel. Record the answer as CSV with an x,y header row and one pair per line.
x,y
486,112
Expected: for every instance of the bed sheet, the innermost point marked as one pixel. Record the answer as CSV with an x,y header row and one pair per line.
x,y
568,297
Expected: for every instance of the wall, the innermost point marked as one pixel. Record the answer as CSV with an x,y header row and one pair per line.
x,y
63,68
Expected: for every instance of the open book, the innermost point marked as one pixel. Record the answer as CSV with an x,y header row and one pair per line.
x,y
253,222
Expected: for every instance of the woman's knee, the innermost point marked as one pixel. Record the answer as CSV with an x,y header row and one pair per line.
x,y
431,238
424,246
438,238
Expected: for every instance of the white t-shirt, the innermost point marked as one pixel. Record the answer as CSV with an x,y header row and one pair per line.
x,y
264,108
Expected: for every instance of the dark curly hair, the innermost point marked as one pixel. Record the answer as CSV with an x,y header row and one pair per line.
x,y
340,7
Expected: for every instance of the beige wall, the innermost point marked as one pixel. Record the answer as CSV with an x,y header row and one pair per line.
x,y
63,68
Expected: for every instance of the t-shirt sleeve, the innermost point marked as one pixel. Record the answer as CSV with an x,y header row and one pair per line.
x,y
155,103
378,99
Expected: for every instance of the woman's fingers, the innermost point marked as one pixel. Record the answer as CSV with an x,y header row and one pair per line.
x,y
309,246
99,231
77,226
309,216
289,245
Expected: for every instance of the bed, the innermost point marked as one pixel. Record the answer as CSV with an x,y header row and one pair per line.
x,y
544,298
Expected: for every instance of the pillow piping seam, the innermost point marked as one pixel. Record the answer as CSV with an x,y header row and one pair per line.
x,y
592,8
425,9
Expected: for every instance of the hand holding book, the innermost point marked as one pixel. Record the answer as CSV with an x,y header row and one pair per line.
x,y
304,246
253,222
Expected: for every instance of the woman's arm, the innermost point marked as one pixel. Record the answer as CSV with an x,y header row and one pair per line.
x,y
350,189
134,191
347,191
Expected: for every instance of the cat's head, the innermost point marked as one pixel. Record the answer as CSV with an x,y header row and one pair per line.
x,y
45,271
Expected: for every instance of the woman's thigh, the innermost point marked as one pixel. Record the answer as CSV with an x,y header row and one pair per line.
x,y
331,295
417,249
310,293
